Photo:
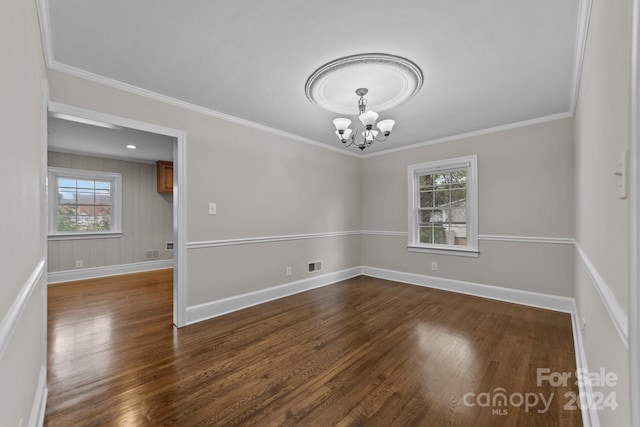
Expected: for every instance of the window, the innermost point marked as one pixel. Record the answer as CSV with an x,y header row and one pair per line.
x,y
443,207
84,203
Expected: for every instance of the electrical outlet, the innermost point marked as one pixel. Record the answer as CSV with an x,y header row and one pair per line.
x,y
79,263
583,326
434,266
212,208
168,246
288,271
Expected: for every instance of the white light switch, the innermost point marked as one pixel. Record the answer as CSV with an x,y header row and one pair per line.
x,y
621,173
212,208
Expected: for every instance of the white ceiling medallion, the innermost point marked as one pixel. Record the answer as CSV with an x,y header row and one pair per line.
x,y
386,80
390,80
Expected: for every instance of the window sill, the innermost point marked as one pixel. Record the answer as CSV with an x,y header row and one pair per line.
x,y
80,236
466,252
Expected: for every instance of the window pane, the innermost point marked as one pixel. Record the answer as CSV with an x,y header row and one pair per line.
x,y
67,182
67,196
439,235
103,218
426,199
432,234
458,215
431,216
458,195
103,223
103,197
426,234
103,185
86,184
67,210
442,207
67,223
85,204
442,198
426,181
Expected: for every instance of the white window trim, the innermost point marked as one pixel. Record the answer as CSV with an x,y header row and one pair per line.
x,y
414,245
52,186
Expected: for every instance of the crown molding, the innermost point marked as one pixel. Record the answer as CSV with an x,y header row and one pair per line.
x,y
42,7
524,123
135,90
52,64
584,13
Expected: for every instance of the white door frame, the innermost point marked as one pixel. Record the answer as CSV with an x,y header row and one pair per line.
x,y
179,193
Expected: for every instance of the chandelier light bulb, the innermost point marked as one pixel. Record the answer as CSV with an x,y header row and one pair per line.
x,y
345,135
341,124
370,135
368,119
385,126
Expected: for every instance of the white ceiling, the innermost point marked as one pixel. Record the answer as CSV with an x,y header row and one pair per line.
x,y
80,138
486,63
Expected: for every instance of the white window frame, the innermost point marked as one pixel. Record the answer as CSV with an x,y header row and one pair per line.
x,y
413,172
116,207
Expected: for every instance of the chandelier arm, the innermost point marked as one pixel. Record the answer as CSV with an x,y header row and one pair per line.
x,y
350,140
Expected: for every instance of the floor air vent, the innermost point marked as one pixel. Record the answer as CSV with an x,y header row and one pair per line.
x,y
315,266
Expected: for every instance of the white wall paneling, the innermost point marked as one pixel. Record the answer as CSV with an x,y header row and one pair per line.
x,y
601,220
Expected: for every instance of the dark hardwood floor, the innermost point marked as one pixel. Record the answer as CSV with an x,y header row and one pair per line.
x,y
360,352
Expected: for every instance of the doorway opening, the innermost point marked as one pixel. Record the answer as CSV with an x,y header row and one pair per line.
x,y
160,144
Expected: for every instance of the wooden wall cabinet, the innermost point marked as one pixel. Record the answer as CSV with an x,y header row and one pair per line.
x,y
165,176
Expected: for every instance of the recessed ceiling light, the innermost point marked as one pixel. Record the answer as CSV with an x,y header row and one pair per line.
x,y
131,147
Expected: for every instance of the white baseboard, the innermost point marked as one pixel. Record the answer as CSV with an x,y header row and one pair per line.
x,y
213,309
589,415
533,299
200,312
112,270
36,418
546,301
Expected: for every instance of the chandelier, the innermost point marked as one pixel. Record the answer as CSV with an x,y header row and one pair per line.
x,y
388,80
368,119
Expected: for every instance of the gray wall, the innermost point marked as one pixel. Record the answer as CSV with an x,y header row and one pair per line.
x,y
601,226
267,185
552,180
525,179
22,354
147,217
263,184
